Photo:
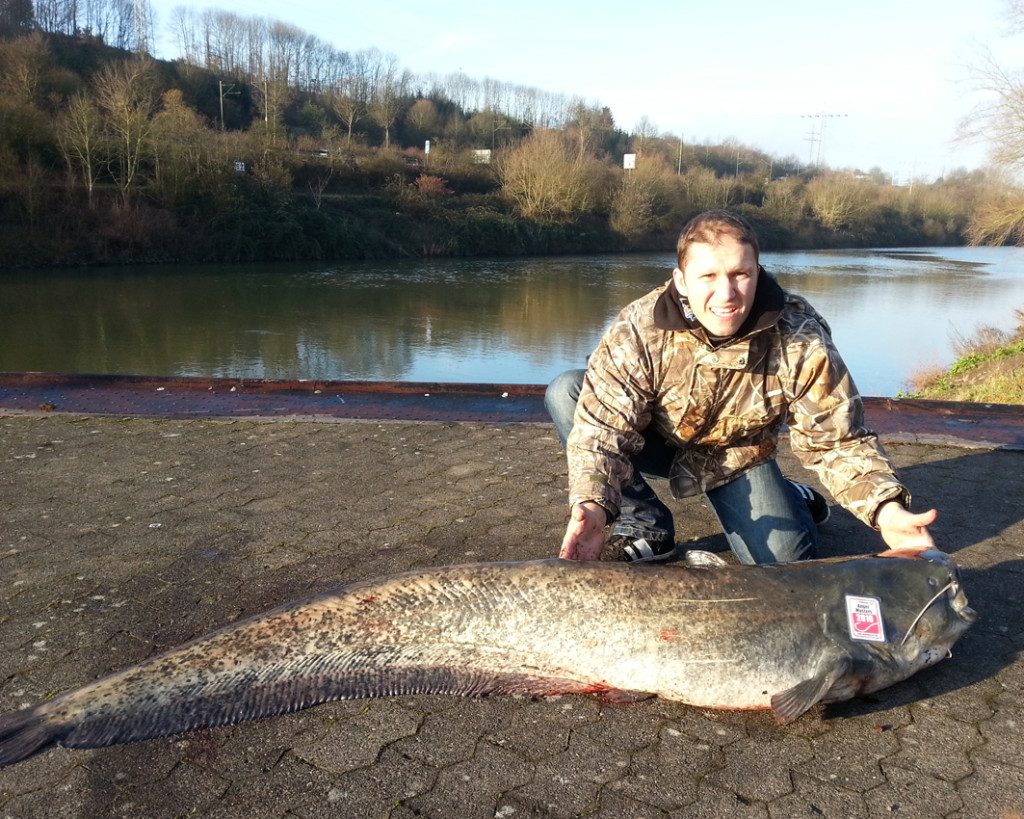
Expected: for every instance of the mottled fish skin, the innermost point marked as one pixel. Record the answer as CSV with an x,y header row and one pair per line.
x,y
714,636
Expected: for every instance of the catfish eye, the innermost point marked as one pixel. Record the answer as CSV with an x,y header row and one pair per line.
x,y
933,582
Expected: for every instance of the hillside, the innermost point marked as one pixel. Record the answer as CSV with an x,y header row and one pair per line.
x,y
109,157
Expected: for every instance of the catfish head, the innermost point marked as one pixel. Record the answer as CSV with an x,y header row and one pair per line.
x,y
888,617
942,618
921,610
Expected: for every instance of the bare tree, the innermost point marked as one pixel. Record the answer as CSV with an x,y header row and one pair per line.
x,y
643,132
98,18
22,62
837,200
58,16
587,125
491,128
227,42
999,121
126,24
422,116
632,210
705,190
181,150
1013,10
16,16
784,200
78,135
545,176
125,94
998,217
388,92
184,27
349,110
140,12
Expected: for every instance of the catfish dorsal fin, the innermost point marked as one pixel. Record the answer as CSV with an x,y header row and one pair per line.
x,y
789,704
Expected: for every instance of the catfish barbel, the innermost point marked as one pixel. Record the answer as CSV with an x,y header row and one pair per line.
x,y
782,637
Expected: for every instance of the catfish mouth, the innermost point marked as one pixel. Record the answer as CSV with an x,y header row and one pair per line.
x,y
957,597
958,600
954,595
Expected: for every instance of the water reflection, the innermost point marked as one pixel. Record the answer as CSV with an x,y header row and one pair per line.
x,y
894,313
506,320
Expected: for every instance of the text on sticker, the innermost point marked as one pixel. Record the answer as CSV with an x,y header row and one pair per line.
x,y
865,618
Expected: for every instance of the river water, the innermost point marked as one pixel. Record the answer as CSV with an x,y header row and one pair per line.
x,y
520,320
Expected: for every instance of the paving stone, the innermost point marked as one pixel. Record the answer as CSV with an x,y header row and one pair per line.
x,y
846,759
374,791
760,770
994,791
75,792
936,745
812,797
357,741
542,729
666,773
473,788
453,733
912,793
615,806
1002,732
569,783
714,802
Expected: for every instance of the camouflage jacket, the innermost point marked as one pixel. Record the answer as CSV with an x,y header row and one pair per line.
x,y
723,407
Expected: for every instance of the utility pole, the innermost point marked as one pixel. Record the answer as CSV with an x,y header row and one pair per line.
x,y
140,39
230,90
812,138
819,135
142,25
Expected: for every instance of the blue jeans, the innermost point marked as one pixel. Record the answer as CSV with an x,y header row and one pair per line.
x,y
764,518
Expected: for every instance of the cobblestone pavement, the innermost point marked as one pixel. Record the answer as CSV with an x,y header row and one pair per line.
x,y
120,537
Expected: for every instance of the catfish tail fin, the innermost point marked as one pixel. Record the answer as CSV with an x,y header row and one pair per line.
x,y
26,733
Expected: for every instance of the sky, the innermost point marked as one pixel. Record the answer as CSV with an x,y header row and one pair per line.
x,y
885,81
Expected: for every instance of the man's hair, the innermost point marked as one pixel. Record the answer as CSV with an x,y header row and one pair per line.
x,y
709,228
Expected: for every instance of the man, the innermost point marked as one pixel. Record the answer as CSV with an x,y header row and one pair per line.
x,y
692,383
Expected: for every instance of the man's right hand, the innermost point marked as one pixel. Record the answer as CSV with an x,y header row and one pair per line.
x,y
584,536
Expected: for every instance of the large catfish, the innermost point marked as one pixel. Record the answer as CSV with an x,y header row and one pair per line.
x,y
781,637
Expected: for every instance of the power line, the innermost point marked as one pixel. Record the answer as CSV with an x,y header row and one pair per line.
x,y
818,137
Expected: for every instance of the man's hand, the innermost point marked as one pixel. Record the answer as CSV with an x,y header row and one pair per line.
x,y
584,536
905,533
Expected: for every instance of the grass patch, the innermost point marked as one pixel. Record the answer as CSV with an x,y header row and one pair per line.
x,y
989,369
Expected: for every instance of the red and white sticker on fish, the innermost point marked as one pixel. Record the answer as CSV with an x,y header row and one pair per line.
x,y
865,616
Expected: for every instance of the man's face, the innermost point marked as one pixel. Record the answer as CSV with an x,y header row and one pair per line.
x,y
719,280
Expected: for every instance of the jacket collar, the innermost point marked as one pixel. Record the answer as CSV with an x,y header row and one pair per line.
x,y
769,298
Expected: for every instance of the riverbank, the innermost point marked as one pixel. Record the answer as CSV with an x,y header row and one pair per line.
x,y
990,370
248,222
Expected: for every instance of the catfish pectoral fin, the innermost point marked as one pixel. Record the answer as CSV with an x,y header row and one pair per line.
x,y
789,704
